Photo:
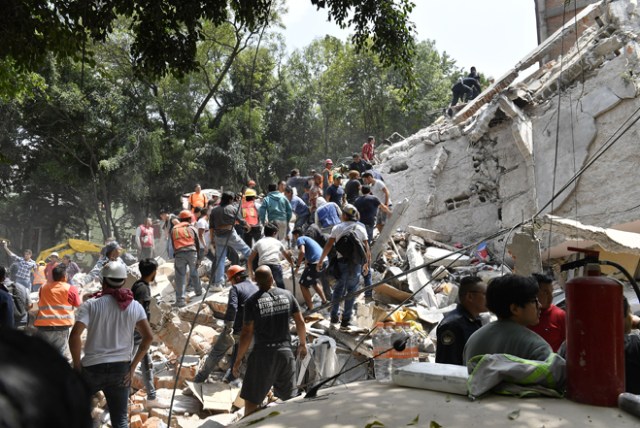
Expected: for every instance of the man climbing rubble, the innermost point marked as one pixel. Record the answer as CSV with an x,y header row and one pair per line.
x,y
272,362
186,247
380,191
242,289
353,260
276,209
458,325
223,235
270,251
309,251
110,319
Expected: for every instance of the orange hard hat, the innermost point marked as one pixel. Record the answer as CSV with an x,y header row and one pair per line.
x,y
185,214
233,271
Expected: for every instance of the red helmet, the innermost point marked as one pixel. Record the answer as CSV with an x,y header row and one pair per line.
x,y
185,215
233,271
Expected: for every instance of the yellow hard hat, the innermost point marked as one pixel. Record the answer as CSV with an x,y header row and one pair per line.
x,y
250,192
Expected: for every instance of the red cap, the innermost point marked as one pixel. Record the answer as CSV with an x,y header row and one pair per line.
x,y
328,161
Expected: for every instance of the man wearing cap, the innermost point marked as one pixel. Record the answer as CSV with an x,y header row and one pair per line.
x,y
272,362
57,298
359,164
368,149
54,260
335,192
276,209
110,319
349,273
186,247
242,289
327,175
26,266
380,191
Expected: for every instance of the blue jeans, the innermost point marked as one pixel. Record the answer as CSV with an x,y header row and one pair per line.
x,y
367,277
276,272
109,378
146,367
347,283
182,260
221,252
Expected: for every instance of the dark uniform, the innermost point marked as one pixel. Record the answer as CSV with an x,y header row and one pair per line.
x,y
453,332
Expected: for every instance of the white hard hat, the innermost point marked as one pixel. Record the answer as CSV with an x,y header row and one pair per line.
x,y
114,273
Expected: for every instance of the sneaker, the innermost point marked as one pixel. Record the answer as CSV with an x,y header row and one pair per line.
x,y
200,378
216,287
198,293
180,304
344,325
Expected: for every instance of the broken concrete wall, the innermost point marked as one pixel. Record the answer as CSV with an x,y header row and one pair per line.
x,y
500,150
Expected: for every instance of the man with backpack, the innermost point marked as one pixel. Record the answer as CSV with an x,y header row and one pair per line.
x,y
353,259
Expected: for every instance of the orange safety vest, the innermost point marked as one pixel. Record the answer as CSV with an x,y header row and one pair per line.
x,y
54,309
200,200
182,236
38,275
250,213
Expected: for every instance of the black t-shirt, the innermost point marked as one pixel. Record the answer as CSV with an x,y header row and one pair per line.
x,y
367,206
142,294
632,362
352,190
270,312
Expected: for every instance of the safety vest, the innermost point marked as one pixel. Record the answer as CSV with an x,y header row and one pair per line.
x,y
198,200
250,213
54,309
146,236
39,276
182,237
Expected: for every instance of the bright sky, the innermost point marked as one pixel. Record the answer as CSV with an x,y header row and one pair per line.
x,y
493,35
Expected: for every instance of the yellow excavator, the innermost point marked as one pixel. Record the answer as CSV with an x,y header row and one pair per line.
x,y
71,246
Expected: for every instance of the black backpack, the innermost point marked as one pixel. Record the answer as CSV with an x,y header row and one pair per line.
x,y
351,248
19,305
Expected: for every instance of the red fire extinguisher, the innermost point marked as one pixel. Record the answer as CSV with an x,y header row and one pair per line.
x,y
595,339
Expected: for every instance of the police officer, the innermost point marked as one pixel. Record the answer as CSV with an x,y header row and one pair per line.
x,y
456,327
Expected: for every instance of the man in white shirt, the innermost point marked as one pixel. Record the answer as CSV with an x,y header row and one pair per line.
x,y
110,319
380,191
269,251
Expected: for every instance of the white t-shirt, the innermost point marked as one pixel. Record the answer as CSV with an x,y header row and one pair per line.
x,y
203,223
342,228
109,330
377,190
268,249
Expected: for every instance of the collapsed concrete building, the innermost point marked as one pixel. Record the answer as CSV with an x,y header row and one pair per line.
x,y
499,160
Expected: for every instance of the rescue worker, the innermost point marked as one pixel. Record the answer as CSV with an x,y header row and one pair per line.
x,y
327,215
270,251
309,251
514,300
197,198
186,247
72,268
110,320
39,278
242,289
298,207
335,192
271,363
56,306
458,325
250,215
276,209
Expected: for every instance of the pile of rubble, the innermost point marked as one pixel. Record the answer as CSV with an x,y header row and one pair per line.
x,y
434,270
